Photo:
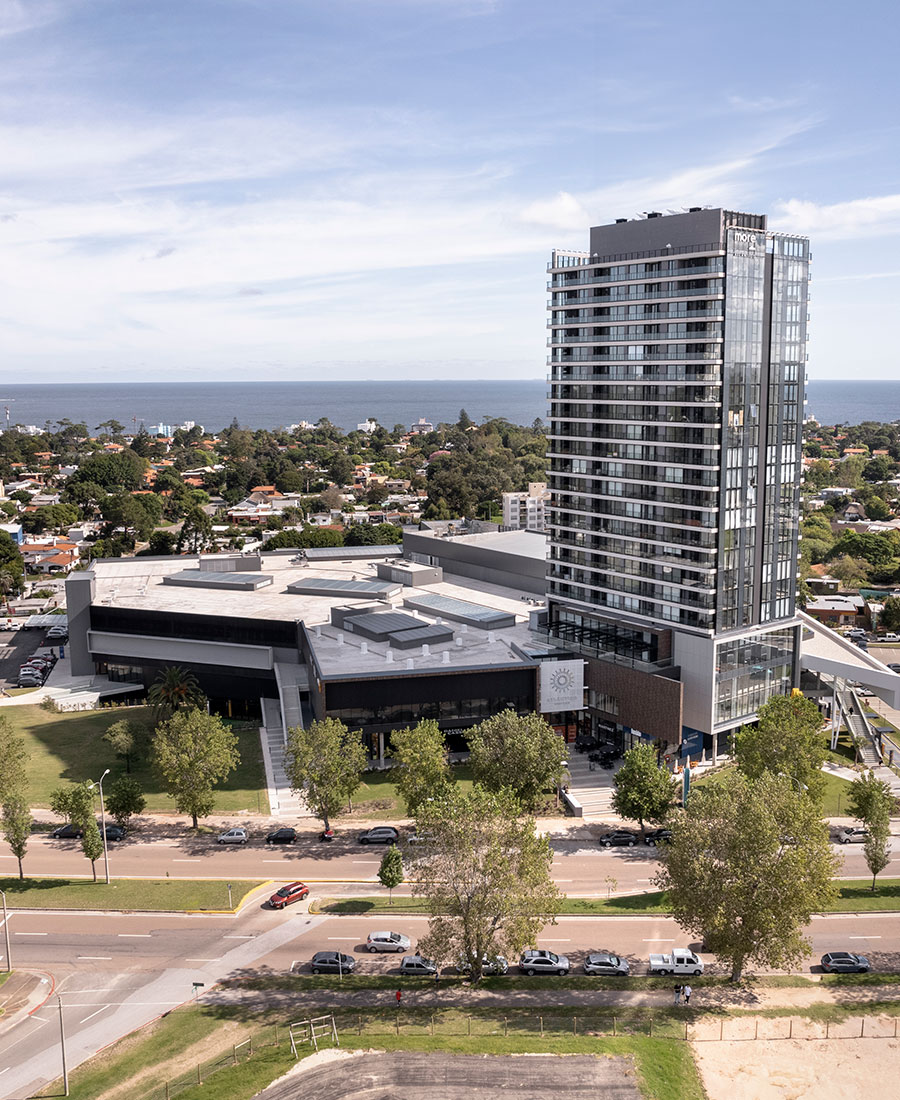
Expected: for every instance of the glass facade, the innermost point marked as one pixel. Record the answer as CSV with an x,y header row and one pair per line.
x,y
676,397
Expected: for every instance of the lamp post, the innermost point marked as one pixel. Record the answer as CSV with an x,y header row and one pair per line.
x,y
99,784
6,930
62,1044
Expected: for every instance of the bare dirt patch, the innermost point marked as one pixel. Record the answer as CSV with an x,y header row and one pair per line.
x,y
802,1069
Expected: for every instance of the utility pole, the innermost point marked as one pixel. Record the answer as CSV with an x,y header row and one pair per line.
x,y
62,1042
6,930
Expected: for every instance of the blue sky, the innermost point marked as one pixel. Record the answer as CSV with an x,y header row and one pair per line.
x,y
294,189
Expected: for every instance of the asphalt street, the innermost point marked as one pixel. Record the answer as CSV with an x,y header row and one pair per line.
x,y
580,866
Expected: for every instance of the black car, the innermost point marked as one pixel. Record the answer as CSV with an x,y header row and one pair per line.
x,y
619,838
282,836
658,836
844,962
115,832
68,832
332,962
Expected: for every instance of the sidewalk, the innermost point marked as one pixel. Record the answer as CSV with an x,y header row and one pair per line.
x,y
21,994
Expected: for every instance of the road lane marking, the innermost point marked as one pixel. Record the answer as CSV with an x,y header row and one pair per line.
x,y
103,1008
135,935
370,862
95,958
187,860
237,937
31,933
350,939
864,937
659,939
202,960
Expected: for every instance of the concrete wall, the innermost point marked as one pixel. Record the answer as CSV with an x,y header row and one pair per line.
x,y
178,651
79,594
480,563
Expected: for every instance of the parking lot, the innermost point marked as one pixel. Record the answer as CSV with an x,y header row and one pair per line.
x,y
16,646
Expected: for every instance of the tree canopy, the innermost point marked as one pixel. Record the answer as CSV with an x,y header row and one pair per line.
x,y
644,791
748,864
786,740
423,771
194,751
325,762
520,752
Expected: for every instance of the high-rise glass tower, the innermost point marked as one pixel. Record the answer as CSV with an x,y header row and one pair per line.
x,y
678,355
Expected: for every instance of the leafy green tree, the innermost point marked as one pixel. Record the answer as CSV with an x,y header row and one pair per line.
x,y
16,826
786,740
74,803
644,791
877,848
11,558
423,771
92,842
390,873
13,760
521,752
161,544
193,752
890,616
112,472
871,799
851,572
748,864
485,877
125,798
174,689
324,763
126,739
196,533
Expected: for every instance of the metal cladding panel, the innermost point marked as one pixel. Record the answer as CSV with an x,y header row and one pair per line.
x,y
461,611
424,635
336,586
380,625
201,578
350,553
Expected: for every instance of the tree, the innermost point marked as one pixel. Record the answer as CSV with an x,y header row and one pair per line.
x,y
390,873
11,558
175,688
92,842
786,740
16,826
424,771
74,803
521,752
890,615
644,790
325,763
485,877
194,751
124,737
13,760
196,533
851,572
125,798
747,865
877,848
871,799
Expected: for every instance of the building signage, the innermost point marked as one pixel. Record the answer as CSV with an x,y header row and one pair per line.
x,y
562,686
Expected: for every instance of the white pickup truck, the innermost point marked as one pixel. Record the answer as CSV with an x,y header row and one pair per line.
x,y
680,961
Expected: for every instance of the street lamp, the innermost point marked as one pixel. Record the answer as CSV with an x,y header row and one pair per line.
x,y
91,786
62,1046
6,930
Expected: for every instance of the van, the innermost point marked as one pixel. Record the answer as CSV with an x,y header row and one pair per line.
x,y
889,637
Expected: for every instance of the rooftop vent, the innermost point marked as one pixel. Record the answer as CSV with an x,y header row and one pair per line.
x,y
694,209
654,214
621,221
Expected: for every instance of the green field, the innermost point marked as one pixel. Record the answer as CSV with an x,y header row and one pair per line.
x,y
158,895
377,797
69,746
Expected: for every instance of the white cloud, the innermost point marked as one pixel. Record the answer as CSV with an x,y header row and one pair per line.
x,y
16,16
868,217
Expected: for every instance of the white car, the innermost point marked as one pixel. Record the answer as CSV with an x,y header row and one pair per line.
x,y
387,941
237,835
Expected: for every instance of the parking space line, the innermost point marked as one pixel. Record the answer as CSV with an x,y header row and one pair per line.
x,y
103,1008
134,935
95,958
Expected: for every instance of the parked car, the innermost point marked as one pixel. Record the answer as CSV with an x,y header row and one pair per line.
x,y
416,966
115,832
894,667
844,962
332,962
890,637
605,962
543,962
294,891
237,835
679,961
658,836
619,838
419,838
68,832
489,966
852,836
387,941
282,836
381,834
28,680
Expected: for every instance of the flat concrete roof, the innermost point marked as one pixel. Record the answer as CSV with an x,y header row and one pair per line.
x,y
138,583
528,544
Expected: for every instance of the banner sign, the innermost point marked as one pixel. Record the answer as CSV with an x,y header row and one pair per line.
x,y
562,686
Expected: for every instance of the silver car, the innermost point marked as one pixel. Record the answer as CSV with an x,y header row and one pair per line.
x,y
237,835
416,965
387,941
853,836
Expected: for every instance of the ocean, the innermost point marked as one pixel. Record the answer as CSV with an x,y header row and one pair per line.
x,y
346,404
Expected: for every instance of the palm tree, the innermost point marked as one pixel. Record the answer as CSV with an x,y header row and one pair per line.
x,y
9,582
174,689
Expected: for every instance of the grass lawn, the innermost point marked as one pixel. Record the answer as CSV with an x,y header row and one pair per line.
x,y
834,799
69,746
164,894
855,895
377,797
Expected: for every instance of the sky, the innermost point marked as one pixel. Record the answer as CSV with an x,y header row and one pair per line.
x,y
304,189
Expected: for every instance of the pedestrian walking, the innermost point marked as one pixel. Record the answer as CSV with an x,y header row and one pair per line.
x,y
399,997
687,994
677,995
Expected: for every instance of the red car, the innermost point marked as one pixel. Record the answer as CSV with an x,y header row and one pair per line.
x,y
294,891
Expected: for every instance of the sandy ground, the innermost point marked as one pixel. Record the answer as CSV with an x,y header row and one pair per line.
x,y
803,1069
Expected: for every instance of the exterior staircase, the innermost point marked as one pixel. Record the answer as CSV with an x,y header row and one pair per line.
x,y
592,788
280,715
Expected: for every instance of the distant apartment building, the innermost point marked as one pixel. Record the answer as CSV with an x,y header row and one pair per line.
x,y
527,511
678,357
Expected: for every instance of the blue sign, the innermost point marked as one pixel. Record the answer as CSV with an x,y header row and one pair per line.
x,y
691,741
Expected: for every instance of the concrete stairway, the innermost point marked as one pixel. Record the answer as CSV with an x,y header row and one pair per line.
x,y
283,801
593,789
